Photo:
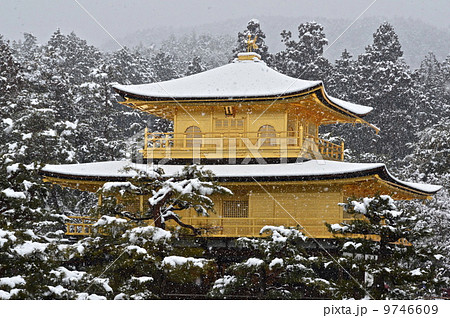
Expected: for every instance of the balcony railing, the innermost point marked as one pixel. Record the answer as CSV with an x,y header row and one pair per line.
x,y
237,227
79,225
219,226
239,145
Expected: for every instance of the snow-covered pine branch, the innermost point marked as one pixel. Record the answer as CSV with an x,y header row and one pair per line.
x,y
188,189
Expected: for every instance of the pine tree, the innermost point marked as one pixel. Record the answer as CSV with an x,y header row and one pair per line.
x,y
383,81
254,30
430,81
10,77
429,163
188,189
278,268
30,232
343,81
163,66
303,58
195,67
377,257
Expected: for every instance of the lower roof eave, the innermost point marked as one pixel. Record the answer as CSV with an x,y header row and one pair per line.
x,y
374,171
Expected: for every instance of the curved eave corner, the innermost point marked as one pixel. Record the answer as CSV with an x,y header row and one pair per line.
x,y
354,111
422,189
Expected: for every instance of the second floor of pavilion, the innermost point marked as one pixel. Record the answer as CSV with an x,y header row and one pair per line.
x,y
241,110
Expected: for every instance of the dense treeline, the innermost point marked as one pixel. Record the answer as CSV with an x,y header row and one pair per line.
x,y
57,106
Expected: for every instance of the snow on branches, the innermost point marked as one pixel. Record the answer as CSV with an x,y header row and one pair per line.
x,y
188,189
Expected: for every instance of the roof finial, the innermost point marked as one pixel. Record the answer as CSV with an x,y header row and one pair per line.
x,y
251,44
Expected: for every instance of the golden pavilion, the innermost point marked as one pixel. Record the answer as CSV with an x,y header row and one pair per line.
x,y
257,131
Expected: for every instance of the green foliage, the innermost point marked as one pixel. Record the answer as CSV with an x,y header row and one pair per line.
x,y
253,29
57,107
376,264
188,189
303,58
278,268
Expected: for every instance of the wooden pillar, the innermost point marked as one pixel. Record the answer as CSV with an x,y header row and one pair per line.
x,y
141,203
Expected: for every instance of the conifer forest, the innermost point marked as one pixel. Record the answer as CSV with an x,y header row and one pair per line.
x,y
57,107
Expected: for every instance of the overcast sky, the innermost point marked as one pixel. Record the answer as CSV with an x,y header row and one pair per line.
x,y
121,17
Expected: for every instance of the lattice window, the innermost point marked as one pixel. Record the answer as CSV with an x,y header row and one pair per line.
x,y
131,205
267,135
235,209
193,136
229,123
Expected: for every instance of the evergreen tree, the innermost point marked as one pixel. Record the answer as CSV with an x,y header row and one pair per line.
x,y
429,163
430,82
380,79
384,265
10,76
188,189
303,58
195,67
386,84
254,30
30,232
278,268
163,66
343,81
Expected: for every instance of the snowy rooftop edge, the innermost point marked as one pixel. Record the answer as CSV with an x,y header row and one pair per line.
x,y
114,169
240,79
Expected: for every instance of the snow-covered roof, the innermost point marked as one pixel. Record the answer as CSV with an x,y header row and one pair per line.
x,y
241,79
308,170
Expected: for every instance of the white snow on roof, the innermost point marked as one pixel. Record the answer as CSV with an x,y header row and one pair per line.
x,y
237,79
242,78
419,186
308,168
303,169
354,108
